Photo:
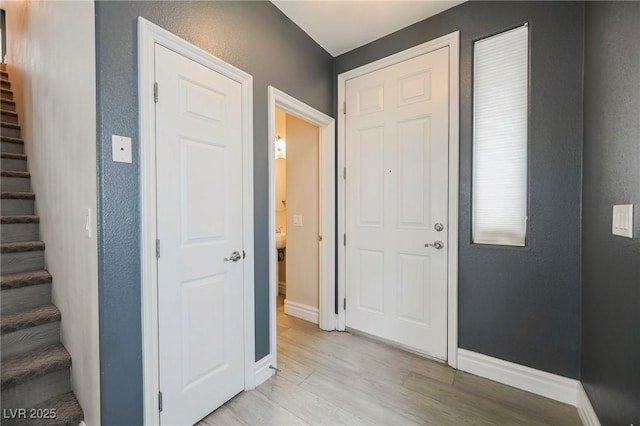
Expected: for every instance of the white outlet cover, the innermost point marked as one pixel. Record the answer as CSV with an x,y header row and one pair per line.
x,y
121,147
622,223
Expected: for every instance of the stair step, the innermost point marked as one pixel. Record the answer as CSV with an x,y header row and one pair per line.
x,y
10,129
44,314
15,173
12,161
19,228
16,184
5,83
36,377
4,74
67,409
21,342
24,279
10,207
7,104
11,145
7,116
22,256
11,195
7,94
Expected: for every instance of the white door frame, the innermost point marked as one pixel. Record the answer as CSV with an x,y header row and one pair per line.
x,y
326,281
453,42
148,35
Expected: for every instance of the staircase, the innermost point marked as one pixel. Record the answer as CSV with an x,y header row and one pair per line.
x,y
35,365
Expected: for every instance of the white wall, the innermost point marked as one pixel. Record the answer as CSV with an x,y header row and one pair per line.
x,y
51,62
302,199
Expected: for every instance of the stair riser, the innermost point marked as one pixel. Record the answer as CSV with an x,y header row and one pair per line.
x,y
12,133
36,391
24,341
16,148
9,118
13,263
5,85
13,164
7,95
16,207
19,299
15,232
9,106
15,184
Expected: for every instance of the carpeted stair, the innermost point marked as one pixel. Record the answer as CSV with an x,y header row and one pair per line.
x,y
35,370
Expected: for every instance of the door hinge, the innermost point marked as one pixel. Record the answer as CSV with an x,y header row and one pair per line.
x,y
344,173
344,107
244,254
344,303
160,401
344,239
319,237
158,249
155,92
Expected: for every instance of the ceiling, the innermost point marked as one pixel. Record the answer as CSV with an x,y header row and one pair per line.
x,y
340,26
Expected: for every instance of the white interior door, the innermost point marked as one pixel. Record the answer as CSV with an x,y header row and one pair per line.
x,y
199,213
396,192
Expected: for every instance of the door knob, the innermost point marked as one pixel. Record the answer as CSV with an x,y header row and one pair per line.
x,y
438,245
438,227
235,256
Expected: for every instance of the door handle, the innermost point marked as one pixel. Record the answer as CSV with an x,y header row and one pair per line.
x,y
438,245
235,256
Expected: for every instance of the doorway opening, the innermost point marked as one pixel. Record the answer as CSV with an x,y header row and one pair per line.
x,y
301,216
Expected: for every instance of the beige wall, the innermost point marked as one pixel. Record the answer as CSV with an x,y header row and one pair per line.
x,y
302,199
51,61
281,189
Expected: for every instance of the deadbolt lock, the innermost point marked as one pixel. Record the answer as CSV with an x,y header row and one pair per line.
x,y
438,227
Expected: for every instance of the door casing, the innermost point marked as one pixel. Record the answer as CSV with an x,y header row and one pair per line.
x,y
326,283
148,35
453,42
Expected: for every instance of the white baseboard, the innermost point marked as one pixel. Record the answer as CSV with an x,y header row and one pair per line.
x,y
529,379
585,409
282,287
305,312
263,372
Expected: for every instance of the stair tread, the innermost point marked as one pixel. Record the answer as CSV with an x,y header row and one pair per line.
x,y
25,279
8,101
15,173
7,112
9,125
34,364
13,155
68,411
21,246
22,218
17,195
4,138
29,318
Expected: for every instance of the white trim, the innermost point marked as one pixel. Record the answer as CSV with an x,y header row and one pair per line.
x,y
529,379
326,125
299,310
148,35
453,42
585,409
282,287
263,370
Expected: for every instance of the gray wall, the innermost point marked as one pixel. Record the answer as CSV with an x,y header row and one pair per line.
x,y
519,304
611,265
255,37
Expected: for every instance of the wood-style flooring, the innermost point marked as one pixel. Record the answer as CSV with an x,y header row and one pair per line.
x,y
333,378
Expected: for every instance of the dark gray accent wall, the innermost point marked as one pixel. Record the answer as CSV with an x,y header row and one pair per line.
x,y
255,37
519,304
611,265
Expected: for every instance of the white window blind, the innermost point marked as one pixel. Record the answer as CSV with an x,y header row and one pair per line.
x,y
500,138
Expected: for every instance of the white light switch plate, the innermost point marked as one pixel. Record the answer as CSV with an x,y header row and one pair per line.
x,y
121,146
297,220
623,220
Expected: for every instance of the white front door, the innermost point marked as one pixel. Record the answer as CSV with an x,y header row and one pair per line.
x,y
199,212
396,192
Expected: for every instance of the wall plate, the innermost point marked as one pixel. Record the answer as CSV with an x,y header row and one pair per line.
x,y
622,222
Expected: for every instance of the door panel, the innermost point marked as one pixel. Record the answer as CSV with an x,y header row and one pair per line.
x,y
199,210
396,190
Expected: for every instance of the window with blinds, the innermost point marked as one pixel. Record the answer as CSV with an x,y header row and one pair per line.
x,y
500,116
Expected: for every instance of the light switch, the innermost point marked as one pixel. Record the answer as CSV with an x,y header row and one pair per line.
x,y
121,146
297,220
623,220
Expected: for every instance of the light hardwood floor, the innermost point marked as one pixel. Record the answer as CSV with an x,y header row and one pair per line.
x,y
332,378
